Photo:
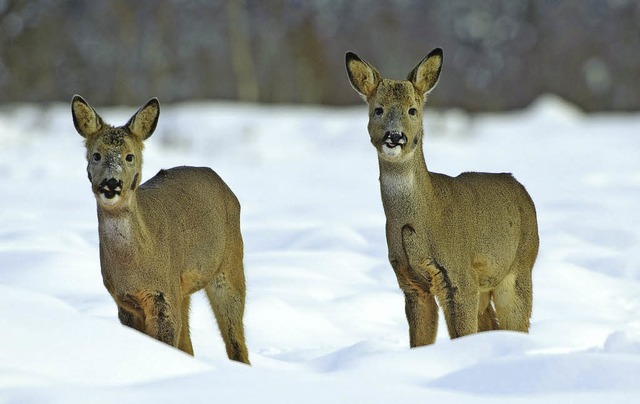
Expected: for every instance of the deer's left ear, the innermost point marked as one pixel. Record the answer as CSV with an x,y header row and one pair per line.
x,y
143,123
425,75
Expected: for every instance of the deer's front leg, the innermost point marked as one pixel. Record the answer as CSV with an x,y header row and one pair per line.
x,y
457,296
130,319
458,299
420,305
158,319
461,313
422,315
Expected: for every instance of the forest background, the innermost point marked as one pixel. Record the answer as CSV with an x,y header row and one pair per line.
x,y
499,54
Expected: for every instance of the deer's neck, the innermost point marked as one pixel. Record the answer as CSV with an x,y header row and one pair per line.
x,y
121,228
124,241
406,186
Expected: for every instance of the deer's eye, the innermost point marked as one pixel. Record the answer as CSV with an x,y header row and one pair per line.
x,y
96,156
413,111
129,158
378,111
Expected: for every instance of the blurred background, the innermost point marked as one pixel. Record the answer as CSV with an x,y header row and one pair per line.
x,y
499,54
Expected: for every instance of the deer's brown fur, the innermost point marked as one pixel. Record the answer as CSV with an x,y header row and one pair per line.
x,y
165,239
469,241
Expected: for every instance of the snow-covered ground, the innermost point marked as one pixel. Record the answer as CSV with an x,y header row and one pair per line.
x,y
325,318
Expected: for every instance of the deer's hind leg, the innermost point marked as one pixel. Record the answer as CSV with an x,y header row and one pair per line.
x,y
226,294
487,318
513,300
184,342
513,297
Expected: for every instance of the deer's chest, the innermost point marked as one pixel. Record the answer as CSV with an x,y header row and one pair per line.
x,y
404,203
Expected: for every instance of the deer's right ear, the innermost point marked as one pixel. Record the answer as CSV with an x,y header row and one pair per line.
x,y
85,118
364,78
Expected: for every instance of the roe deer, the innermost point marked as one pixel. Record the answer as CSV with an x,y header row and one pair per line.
x,y
165,239
468,241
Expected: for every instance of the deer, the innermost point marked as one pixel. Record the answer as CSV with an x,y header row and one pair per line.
x,y
466,244
162,240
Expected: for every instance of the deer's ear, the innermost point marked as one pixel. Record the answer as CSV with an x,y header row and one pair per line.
x,y
364,78
425,75
143,123
85,119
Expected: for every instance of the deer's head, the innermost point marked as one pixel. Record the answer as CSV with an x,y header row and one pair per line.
x,y
114,154
395,106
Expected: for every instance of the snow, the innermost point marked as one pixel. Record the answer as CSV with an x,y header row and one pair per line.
x,y
325,318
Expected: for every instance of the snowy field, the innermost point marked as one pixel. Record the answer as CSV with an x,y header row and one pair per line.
x,y
325,318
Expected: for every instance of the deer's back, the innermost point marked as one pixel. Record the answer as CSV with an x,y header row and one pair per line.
x,y
189,190
487,195
485,213
191,210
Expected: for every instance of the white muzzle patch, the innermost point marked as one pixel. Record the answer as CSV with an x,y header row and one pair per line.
x,y
109,201
391,151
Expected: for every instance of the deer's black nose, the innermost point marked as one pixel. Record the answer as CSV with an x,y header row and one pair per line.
x,y
112,183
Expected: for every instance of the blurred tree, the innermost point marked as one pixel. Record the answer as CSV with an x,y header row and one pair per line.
x,y
241,54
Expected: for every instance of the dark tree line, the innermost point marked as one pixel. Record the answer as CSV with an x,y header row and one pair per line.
x,y
499,54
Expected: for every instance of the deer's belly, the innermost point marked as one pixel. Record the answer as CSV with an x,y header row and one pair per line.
x,y
192,281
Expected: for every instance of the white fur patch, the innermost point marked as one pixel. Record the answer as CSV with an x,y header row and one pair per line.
x,y
109,202
397,184
117,229
391,151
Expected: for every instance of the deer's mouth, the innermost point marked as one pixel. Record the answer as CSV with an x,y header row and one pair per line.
x,y
394,139
392,143
109,198
109,192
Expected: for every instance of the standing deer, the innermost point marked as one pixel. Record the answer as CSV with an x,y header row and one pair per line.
x,y
165,239
468,241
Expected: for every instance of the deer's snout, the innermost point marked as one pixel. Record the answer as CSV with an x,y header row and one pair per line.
x,y
394,138
110,187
